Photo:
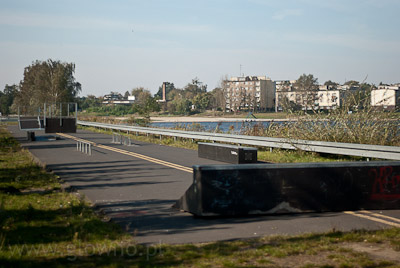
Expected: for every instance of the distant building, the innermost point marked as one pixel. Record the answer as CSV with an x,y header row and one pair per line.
x,y
116,98
386,97
329,99
288,95
252,93
284,92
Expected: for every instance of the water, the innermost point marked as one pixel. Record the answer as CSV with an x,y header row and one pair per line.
x,y
224,126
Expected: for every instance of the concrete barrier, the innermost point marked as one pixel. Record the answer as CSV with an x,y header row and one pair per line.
x,y
227,153
65,125
230,190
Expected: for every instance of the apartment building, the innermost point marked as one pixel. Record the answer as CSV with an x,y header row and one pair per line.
x,y
249,93
288,95
386,97
325,98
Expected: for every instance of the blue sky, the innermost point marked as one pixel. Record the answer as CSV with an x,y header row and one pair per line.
x,y
118,45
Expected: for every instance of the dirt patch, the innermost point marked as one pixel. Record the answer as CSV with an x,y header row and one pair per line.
x,y
376,251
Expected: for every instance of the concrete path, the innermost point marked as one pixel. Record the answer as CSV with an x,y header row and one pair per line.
x,y
136,191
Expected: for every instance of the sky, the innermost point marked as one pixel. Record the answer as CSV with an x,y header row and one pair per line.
x,y
118,45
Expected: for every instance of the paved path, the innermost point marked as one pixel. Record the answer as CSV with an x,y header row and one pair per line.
x,y
138,193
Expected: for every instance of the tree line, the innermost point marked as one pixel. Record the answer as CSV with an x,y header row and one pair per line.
x,y
53,81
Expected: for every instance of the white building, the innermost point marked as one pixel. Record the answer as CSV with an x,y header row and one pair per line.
x,y
116,98
386,97
253,93
329,99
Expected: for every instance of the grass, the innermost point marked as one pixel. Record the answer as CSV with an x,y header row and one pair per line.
x,y
36,215
44,226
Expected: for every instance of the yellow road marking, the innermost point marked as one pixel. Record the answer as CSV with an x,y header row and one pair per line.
x,y
372,218
380,215
140,156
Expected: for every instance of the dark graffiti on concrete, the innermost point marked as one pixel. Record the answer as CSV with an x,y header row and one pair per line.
x,y
386,184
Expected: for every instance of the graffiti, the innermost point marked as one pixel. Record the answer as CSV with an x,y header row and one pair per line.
x,y
386,184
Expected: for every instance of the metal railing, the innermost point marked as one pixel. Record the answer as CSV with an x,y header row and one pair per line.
x,y
362,150
121,139
84,147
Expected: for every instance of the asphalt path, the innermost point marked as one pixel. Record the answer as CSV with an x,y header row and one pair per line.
x,y
137,185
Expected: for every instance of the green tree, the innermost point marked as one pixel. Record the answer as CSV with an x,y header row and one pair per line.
x,y
145,103
7,98
352,83
331,85
217,101
137,91
306,83
202,101
194,88
126,95
308,86
47,82
90,101
183,106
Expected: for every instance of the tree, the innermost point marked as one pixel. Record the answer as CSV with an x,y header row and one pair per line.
x,y
289,106
194,88
7,98
89,101
126,95
331,85
137,91
201,101
144,102
47,82
183,106
352,83
308,86
306,83
217,101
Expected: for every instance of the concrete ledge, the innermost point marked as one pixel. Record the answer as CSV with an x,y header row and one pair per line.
x,y
227,153
230,190
67,125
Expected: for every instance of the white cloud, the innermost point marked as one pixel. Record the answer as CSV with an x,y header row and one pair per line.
x,y
283,14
